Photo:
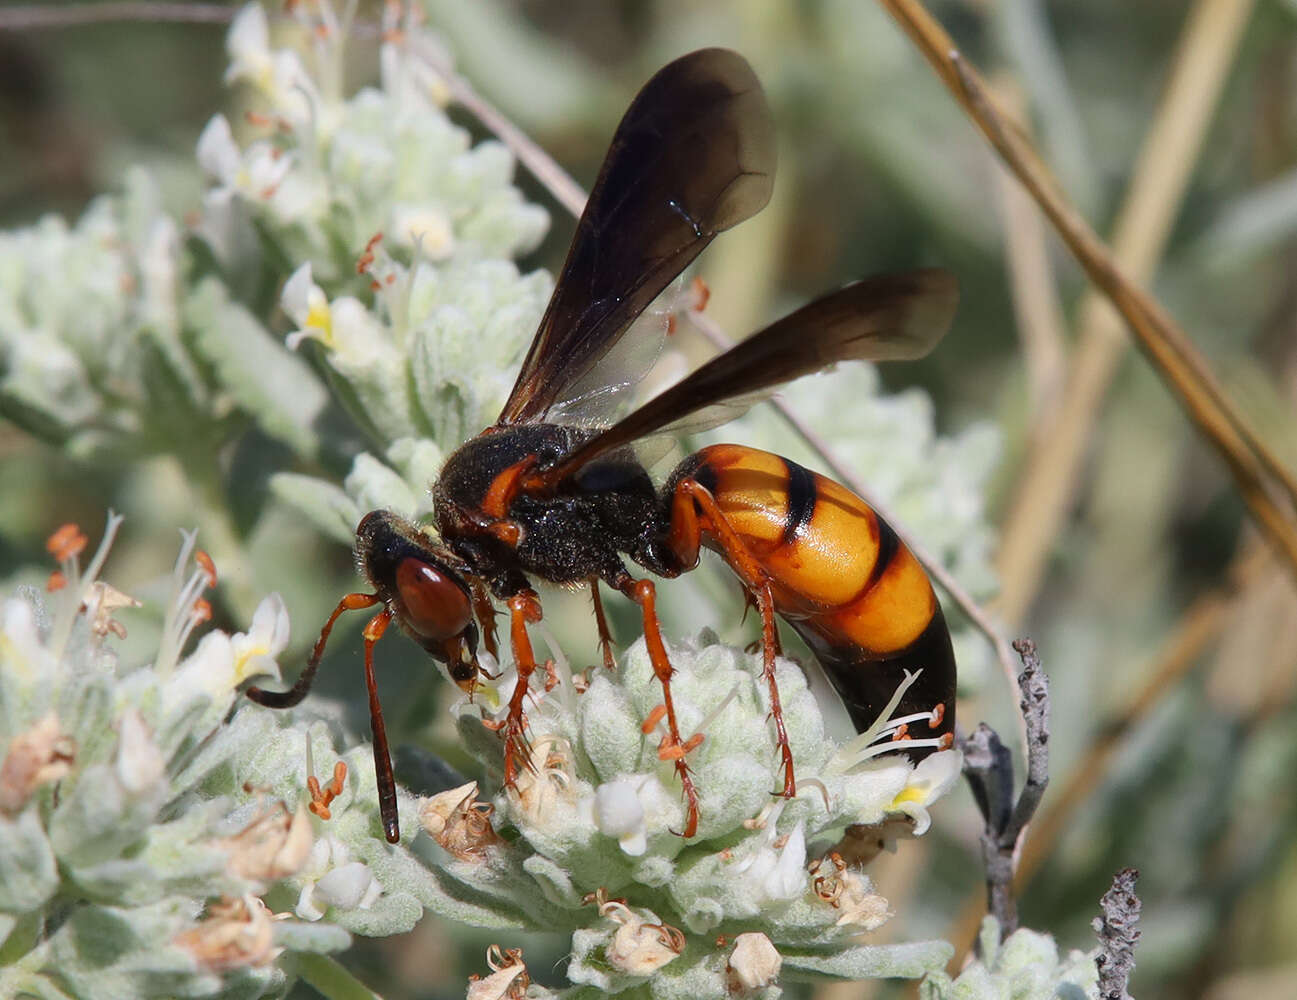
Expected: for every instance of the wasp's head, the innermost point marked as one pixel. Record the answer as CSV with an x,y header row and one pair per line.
x,y
424,585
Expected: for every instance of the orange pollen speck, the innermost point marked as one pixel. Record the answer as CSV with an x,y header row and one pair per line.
x,y
375,286
670,750
694,742
938,714
202,611
257,119
654,717
207,566
321,797
366,260
671,324
57,581
390,279
902,731
701,294
66,543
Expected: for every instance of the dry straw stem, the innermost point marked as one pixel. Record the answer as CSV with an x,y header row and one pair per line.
x,y
1050,480
1257,472
1204,622
1037,310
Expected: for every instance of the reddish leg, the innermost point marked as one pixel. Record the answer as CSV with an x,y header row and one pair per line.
x,y
524,608
601,622
485,611
643,593
294,695
382,757
694,511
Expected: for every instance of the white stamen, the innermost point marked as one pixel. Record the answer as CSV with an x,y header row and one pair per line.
x,y
179,621
561,666
715,713
858,749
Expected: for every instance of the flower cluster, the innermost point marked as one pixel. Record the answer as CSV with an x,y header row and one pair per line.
x,y
145,834
587,841
402,232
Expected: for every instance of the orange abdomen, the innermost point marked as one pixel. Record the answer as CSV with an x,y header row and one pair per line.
x,y
840,577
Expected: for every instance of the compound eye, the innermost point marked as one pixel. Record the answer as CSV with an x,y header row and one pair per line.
x,y
435,605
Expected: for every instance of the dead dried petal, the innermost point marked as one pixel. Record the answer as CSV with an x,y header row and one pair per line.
x,y
273,846
237,933
42,754
461,824
754,963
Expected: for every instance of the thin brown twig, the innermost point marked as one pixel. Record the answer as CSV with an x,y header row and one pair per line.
x,y
557,181
33,16
569,194
1256,471
1037,310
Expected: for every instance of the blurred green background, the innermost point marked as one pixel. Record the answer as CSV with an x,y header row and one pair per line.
x,y
1148,594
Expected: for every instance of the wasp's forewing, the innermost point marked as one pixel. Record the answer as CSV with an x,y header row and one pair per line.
x,y
694,155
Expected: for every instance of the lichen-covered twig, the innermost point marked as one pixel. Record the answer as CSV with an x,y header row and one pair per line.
x,y
989,770
1118,935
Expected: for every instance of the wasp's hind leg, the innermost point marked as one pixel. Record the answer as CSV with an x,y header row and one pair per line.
x,y
693,512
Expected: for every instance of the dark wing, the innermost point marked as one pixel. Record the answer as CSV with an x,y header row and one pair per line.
x,y
694,155
895,317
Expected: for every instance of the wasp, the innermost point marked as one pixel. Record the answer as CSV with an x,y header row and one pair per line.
x,y
556,491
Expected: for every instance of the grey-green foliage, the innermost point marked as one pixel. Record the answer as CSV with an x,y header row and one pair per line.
x,y
1025,966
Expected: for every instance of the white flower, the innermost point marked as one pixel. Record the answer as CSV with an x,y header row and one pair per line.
x,y
931,778
248,46
255,651
217,151
139,766
222,662
308,306
619,813
333,879
776,869
426,227
349,887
